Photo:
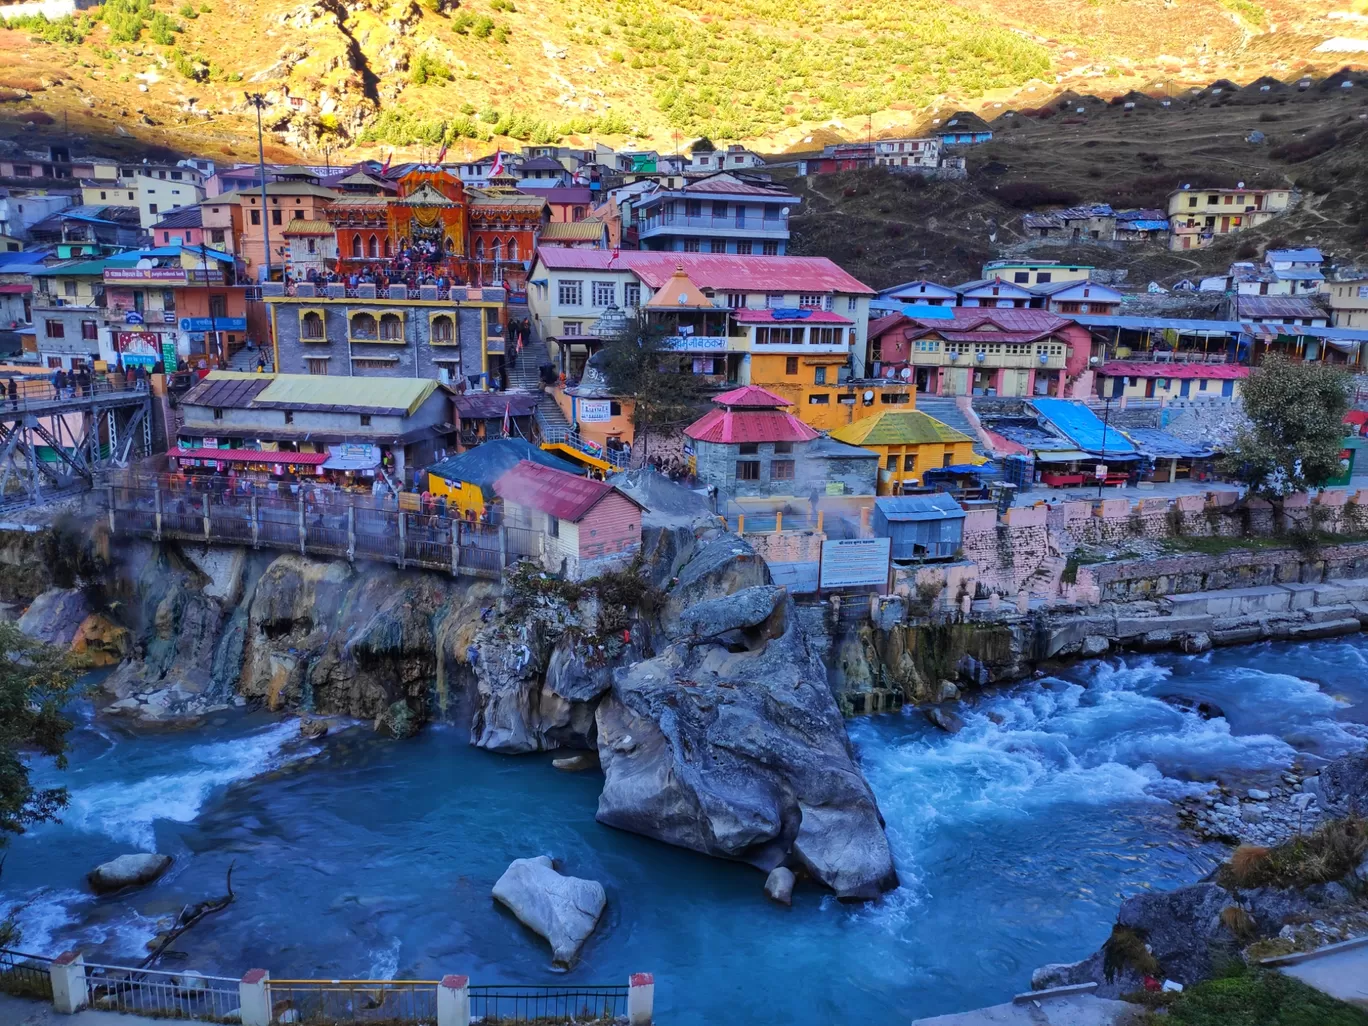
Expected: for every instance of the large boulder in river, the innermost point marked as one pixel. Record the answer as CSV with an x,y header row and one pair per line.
x,y
742,755
55,616
128,871
752,614
563,909
720,567
1344,782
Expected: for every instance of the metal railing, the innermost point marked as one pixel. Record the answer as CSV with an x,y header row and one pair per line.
x,y
332,1001
768,224
166,995
40,394
25,975
509,1004
616,458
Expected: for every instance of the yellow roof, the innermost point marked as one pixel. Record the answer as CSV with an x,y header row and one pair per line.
x,y
588,230
899,427
679,293
299,226
348,393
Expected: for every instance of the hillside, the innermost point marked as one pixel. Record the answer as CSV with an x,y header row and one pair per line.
x,y
359,77
888,229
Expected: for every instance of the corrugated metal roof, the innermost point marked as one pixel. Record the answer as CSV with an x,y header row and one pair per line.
x,y
554,492
588,230
487,462
729,427
303,459
970,318
754,396
904,508
228,393
1078,423
1147,369
388,396
898,427
489,405
1278,306
1295,256
721,271
1155,443
303,226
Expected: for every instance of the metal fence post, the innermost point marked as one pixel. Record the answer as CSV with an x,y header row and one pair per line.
x,y
640,999
208,525
403,537
157,505
503,546
111,510
67,973
453,1001
302,535
256,524
351,531
254,998
455,547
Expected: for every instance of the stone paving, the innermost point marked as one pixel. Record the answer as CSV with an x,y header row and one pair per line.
x,y
1074,1010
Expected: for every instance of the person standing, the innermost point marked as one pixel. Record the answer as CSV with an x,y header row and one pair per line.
x,y
12,391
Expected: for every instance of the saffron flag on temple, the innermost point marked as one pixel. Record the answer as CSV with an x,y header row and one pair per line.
x,y
506,423
441,156
498,168
385,167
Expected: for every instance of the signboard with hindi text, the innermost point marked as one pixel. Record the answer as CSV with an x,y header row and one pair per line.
x,y
855,562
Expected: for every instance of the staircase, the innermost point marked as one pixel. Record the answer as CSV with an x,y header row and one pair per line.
x,y
523,377
947,411
245,360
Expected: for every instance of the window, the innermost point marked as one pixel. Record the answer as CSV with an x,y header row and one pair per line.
x,y
311,326
442,329
744,247
68,288
571,293
1043,277
90,330
614,409
310,245
372,244
363,326
909,463
552,526
216,235
605,292
824,336
783,447
781,470
691,246
391,327
748,470
850,303
749,448
1022,277
512,249
893,463
1202,385
365,419
717,245
1192,201
572,328
176,176
316,366
577,213
791,365
819,375
169,303
769,248
719,209
631,295
102,195
256,219
151,208
55,329
819,399
218,414
693,208
289,416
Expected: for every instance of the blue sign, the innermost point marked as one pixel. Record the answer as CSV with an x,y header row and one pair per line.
x,y
133,317
213,324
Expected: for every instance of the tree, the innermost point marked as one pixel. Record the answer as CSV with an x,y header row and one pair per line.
x,y
36,681
637,363
702,145
1295,431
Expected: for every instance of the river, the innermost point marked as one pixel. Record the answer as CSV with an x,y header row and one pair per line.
x,y
361,857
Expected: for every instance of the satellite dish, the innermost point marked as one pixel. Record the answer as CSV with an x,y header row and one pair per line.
x,y
785,211
1239,185
869,396
683,299
905,373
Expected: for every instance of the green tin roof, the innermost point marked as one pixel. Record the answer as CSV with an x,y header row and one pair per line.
x,y
899,427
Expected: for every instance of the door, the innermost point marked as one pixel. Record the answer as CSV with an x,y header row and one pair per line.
x,y
959,381
1185,388
1227,389
1225,225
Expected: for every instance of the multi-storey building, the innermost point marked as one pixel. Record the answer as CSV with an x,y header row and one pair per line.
x,y
1197,217
337,330
255,222
1348,301
734,158
722,213
925,152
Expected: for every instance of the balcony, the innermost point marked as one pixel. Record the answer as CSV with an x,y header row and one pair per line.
x,y
990,360
728,226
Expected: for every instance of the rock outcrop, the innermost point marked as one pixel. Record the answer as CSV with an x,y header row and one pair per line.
x,y
741,754
563,909
134,870
55,616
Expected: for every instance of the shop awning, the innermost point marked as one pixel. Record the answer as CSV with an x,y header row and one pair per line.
x,y
1064,456
304,459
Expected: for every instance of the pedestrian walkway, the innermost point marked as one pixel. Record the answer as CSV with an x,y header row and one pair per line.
x,y
1071,1010
1342,974
26,1012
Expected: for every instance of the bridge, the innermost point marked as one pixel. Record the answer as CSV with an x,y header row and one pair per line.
x,y
55,442
313,521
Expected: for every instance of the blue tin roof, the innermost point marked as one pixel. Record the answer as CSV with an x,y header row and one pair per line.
x,y
1077,422
901,508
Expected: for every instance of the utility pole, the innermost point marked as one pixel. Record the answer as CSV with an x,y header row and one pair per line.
x,y
212,338
1106,418
258,101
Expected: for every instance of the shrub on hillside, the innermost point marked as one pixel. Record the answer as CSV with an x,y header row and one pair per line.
x,y
1029,195
1327,854
1295,151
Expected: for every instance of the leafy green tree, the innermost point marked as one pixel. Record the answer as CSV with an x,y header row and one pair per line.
x,y
638,364
1295,430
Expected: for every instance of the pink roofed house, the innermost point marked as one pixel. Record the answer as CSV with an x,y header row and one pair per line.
x,y
579,527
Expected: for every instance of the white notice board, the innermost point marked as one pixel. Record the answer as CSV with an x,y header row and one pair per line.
x,y
855,562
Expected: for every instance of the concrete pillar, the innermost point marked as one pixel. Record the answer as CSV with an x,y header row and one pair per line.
x,y
67,973
1023,601
351,532
256,523
640,999
453,1001
741,524
821,513
254,998
966,605
403,537
111,509
864,521
157,505
455,547
302,533
208,526
778,521
503,545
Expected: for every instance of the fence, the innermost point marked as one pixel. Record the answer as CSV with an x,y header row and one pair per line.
x,y
40,395
185,995
256,1000
335,525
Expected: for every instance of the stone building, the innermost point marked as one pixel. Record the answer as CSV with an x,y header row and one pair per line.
x,y
750,446
452,335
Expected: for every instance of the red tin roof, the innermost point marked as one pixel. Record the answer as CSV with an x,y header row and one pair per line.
x,y
303,459
1145,369
753,396
727,272
745,316
733,426
553,492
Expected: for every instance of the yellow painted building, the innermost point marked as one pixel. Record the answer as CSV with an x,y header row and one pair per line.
x,y
466,480
909,443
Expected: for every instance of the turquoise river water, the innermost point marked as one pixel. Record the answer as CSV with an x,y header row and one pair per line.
x,y
360,857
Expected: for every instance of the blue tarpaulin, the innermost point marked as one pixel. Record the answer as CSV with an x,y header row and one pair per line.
x,y
1162,445
1083,427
